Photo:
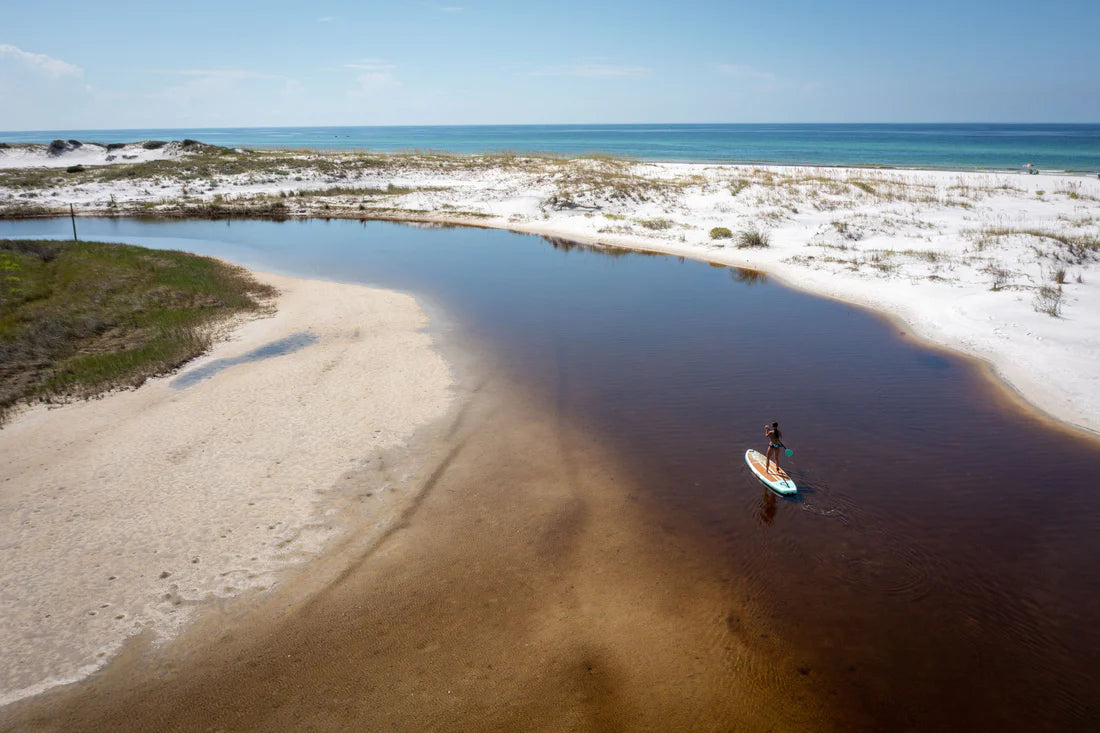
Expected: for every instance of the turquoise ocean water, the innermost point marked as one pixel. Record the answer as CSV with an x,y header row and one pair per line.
x,y
1066,147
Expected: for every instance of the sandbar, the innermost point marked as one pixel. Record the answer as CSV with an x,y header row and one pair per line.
x,y
124,515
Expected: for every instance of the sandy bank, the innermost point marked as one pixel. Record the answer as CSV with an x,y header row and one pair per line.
x,y
118,516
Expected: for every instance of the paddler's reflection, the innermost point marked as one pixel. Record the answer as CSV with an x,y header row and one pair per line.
x,y
768,507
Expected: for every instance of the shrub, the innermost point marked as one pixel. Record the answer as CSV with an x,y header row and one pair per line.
x,y
846,231
1049,300
153,144
1058,275
188,142
74,168
1000,277
720,233
753,237
115,146
57,147
738,186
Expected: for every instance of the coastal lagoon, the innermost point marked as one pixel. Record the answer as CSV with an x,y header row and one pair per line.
x,y
934,572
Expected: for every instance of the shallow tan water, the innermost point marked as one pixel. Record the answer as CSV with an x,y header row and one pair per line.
x,y
531,587
935,571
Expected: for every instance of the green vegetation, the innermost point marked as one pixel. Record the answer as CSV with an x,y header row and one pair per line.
x,y
24,211
720,233
738,185
389,190
218,209
753,237
81,318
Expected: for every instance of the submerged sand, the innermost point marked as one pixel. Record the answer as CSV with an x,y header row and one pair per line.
x,y
120,516
532,586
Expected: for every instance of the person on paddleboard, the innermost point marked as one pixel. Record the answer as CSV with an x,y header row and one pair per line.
x,y
775,442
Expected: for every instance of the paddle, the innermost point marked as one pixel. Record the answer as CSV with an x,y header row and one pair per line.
x,y
789,453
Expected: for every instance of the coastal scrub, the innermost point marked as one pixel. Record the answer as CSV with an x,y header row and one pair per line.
x,y
81,318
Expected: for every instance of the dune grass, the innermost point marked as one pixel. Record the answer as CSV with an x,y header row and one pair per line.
x,y
753,237
80,318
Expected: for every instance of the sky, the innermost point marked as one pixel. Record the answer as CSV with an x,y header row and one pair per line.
x,y
121,65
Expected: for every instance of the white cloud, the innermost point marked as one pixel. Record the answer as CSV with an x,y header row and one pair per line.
x,y
605,71
326,19
376,80
372,66
221,74
745,72
41,62
376,75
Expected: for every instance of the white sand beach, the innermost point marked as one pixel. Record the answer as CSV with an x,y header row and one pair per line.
x,y
1002,266
119,515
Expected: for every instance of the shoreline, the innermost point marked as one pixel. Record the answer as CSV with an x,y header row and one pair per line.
x,y
906,328
1015,395
225,483
971,261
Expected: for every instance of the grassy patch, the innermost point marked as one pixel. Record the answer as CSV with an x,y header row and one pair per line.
x,y
738,185
25,211
721,233
256,209
656,224
753,237
389,190
847,231
81,318
1073,248
1049,300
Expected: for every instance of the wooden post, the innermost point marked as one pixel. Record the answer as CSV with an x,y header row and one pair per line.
x,y
72,215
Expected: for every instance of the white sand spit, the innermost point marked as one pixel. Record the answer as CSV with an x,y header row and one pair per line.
x,y
118,515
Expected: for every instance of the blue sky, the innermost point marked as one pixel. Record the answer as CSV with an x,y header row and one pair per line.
x,y
88,65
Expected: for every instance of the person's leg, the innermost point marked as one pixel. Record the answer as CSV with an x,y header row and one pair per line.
x,y
768,461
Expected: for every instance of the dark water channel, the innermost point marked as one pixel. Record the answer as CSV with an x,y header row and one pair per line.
x,y
939,562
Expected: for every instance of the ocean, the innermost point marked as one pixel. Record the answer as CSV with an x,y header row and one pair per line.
x,y
1048,147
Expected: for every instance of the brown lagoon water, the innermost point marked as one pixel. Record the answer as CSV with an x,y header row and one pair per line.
x,y
936,571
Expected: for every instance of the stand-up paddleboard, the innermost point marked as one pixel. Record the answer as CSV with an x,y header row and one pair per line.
x,y
774,478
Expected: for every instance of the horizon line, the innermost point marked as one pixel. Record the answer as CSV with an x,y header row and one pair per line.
x,y
534,124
